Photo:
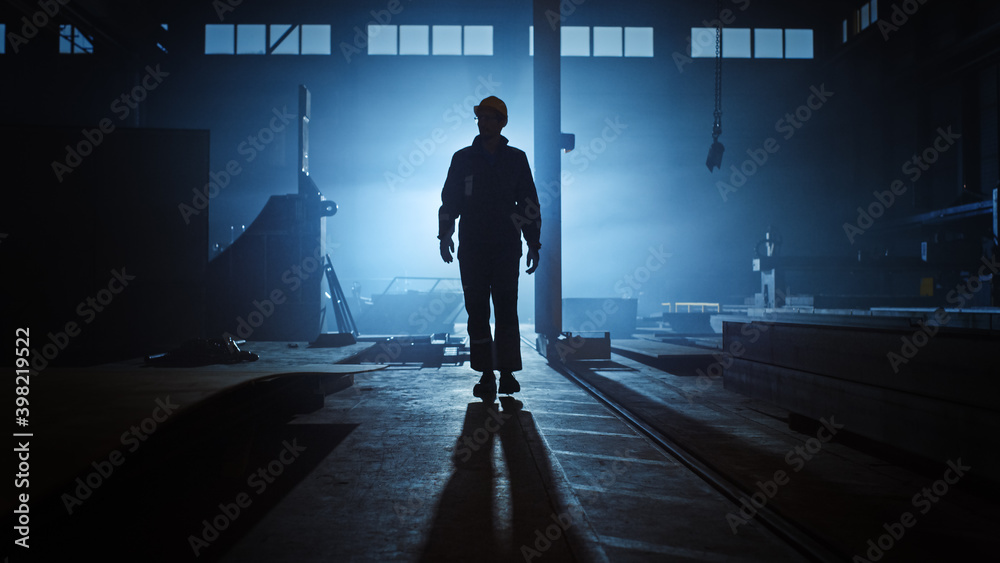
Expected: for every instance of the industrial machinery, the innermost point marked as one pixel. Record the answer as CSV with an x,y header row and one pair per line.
x,y
934,259
266,285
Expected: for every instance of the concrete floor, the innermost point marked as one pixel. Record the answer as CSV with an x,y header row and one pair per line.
x,y
406,465
422,478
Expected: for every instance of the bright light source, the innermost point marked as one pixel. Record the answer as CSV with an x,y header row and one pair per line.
x,y
250,39
638,42
736,43
219,39
767,44
607,41
479,40
798,43
316,39
447,40
575,41
703,42
414,40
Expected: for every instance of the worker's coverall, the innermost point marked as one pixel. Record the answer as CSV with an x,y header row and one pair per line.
x,y
495,197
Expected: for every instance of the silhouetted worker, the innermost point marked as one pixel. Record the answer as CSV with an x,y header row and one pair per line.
x,y
489,186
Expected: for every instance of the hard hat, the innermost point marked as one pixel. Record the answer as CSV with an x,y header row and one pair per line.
x,y
494,103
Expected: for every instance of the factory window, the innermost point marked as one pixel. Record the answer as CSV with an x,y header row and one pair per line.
x,y
479,40
736,43
251,39
72,40
869,13
414,40
703,42
767,44
638,42
798,44
860,20
160,45
575,41
447,40
220,39
443,39
284,39
382,40
315,39
259,39
607,41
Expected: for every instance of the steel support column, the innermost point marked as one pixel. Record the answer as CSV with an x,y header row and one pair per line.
x,y
548,167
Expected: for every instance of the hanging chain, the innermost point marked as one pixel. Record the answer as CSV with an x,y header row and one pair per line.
x,y
717,126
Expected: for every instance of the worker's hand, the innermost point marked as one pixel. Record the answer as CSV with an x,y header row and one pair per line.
x,y
447,247
532,260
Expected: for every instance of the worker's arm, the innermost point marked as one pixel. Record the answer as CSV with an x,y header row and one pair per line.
x,y
529,214
451,208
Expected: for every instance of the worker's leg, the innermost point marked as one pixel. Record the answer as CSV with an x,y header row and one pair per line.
x,y
475,283
508,335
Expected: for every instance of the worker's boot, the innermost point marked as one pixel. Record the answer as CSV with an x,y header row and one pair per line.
x,y
508,384
486,389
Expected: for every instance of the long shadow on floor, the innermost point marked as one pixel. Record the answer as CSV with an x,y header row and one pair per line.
x,y
475,521
179,499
